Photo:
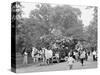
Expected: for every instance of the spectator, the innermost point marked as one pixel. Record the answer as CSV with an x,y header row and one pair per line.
x,y
25,58
94,55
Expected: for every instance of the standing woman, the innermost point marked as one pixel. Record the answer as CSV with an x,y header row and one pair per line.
x,y
86,55
25,57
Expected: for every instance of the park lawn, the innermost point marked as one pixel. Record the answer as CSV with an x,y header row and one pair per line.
x,y
19,61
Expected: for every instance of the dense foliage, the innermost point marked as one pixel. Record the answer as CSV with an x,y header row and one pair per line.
x,y
47,24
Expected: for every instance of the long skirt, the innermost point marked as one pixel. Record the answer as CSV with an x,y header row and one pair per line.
x,y
25,59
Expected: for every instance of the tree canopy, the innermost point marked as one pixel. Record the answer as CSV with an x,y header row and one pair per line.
x,y
49,23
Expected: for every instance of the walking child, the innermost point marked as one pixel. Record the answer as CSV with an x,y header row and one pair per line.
x,y
70,62
82,57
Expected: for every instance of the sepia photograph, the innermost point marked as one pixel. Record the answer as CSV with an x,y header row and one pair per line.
x,y
53,37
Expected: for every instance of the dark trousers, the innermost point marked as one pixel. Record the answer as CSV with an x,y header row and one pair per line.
x,y
82,61
86,57
94,58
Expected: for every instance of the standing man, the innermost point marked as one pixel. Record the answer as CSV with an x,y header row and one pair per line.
x,y
94,55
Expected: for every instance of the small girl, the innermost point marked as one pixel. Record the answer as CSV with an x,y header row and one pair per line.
x,y
70,62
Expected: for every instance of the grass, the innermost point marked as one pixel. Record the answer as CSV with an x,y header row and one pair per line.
x,y
19,61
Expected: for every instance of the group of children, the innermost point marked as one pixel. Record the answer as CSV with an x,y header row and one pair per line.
x,y
71,60
82,57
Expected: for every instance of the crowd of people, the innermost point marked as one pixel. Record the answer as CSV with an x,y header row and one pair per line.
x,y
76,54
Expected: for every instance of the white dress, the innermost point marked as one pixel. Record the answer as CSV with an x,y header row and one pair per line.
x,y
70,61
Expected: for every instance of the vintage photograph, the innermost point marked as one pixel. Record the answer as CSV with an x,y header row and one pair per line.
x,y
54,37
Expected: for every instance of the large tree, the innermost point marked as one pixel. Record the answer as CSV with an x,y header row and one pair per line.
x,y
60,18
92,28
49,22
16,18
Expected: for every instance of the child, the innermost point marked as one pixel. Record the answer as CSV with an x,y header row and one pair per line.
x,y
82,57
70,62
